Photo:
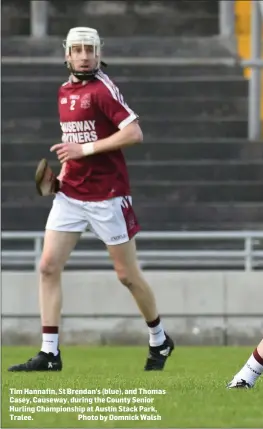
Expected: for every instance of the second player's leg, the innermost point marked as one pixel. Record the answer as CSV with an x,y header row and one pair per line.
x,y
260,349
251,371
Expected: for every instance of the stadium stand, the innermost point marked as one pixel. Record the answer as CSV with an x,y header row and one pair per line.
x,y
196,170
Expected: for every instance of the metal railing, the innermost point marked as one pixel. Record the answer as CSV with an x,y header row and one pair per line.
x,y
247,258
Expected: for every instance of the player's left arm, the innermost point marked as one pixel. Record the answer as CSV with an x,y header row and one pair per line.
x,y
127,136
112,104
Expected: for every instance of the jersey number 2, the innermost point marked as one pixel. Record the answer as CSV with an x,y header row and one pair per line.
x,y
72,104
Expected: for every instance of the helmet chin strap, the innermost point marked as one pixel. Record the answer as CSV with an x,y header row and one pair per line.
x,y
84,75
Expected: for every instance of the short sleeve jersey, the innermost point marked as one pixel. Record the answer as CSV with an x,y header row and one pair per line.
x,y
91,111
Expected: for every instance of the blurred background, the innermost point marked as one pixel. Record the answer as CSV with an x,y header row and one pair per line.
x,y
192,71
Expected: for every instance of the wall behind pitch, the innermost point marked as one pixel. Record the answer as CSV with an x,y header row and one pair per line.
x,y
196,307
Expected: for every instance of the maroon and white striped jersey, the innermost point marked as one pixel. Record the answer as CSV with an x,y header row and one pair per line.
x,y
90,111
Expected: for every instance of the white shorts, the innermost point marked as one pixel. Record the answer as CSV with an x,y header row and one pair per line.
x,y
112,221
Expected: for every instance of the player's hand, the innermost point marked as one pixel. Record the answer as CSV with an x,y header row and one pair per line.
x,y
67,151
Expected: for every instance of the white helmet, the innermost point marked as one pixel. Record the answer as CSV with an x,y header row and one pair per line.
x,y
85,36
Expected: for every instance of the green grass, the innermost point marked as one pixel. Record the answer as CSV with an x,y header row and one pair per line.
x,y
194,380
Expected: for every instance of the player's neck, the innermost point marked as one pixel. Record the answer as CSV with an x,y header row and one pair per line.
x,y
74,79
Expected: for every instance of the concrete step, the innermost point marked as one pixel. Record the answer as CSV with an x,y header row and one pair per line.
x,y
166,106
164,150
158,128
128,25
133,70
132,18
165,190
163,171
115,7
200,213
179,47
173,87
201,191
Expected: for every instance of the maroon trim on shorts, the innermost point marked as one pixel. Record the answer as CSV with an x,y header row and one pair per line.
x,y
132,224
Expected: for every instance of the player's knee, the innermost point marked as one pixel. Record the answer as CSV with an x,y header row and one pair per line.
x,y
124,277
128,277
48,267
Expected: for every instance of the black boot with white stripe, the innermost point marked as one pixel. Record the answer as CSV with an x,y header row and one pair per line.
x,y
239,384
158,355
41,362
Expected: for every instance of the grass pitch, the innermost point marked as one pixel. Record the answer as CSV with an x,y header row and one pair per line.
x,y
194,381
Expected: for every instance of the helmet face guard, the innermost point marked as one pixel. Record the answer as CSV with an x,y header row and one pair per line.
x,y
83,36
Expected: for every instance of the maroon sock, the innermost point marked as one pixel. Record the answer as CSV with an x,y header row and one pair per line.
x,y
154,323
49,329
257,356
